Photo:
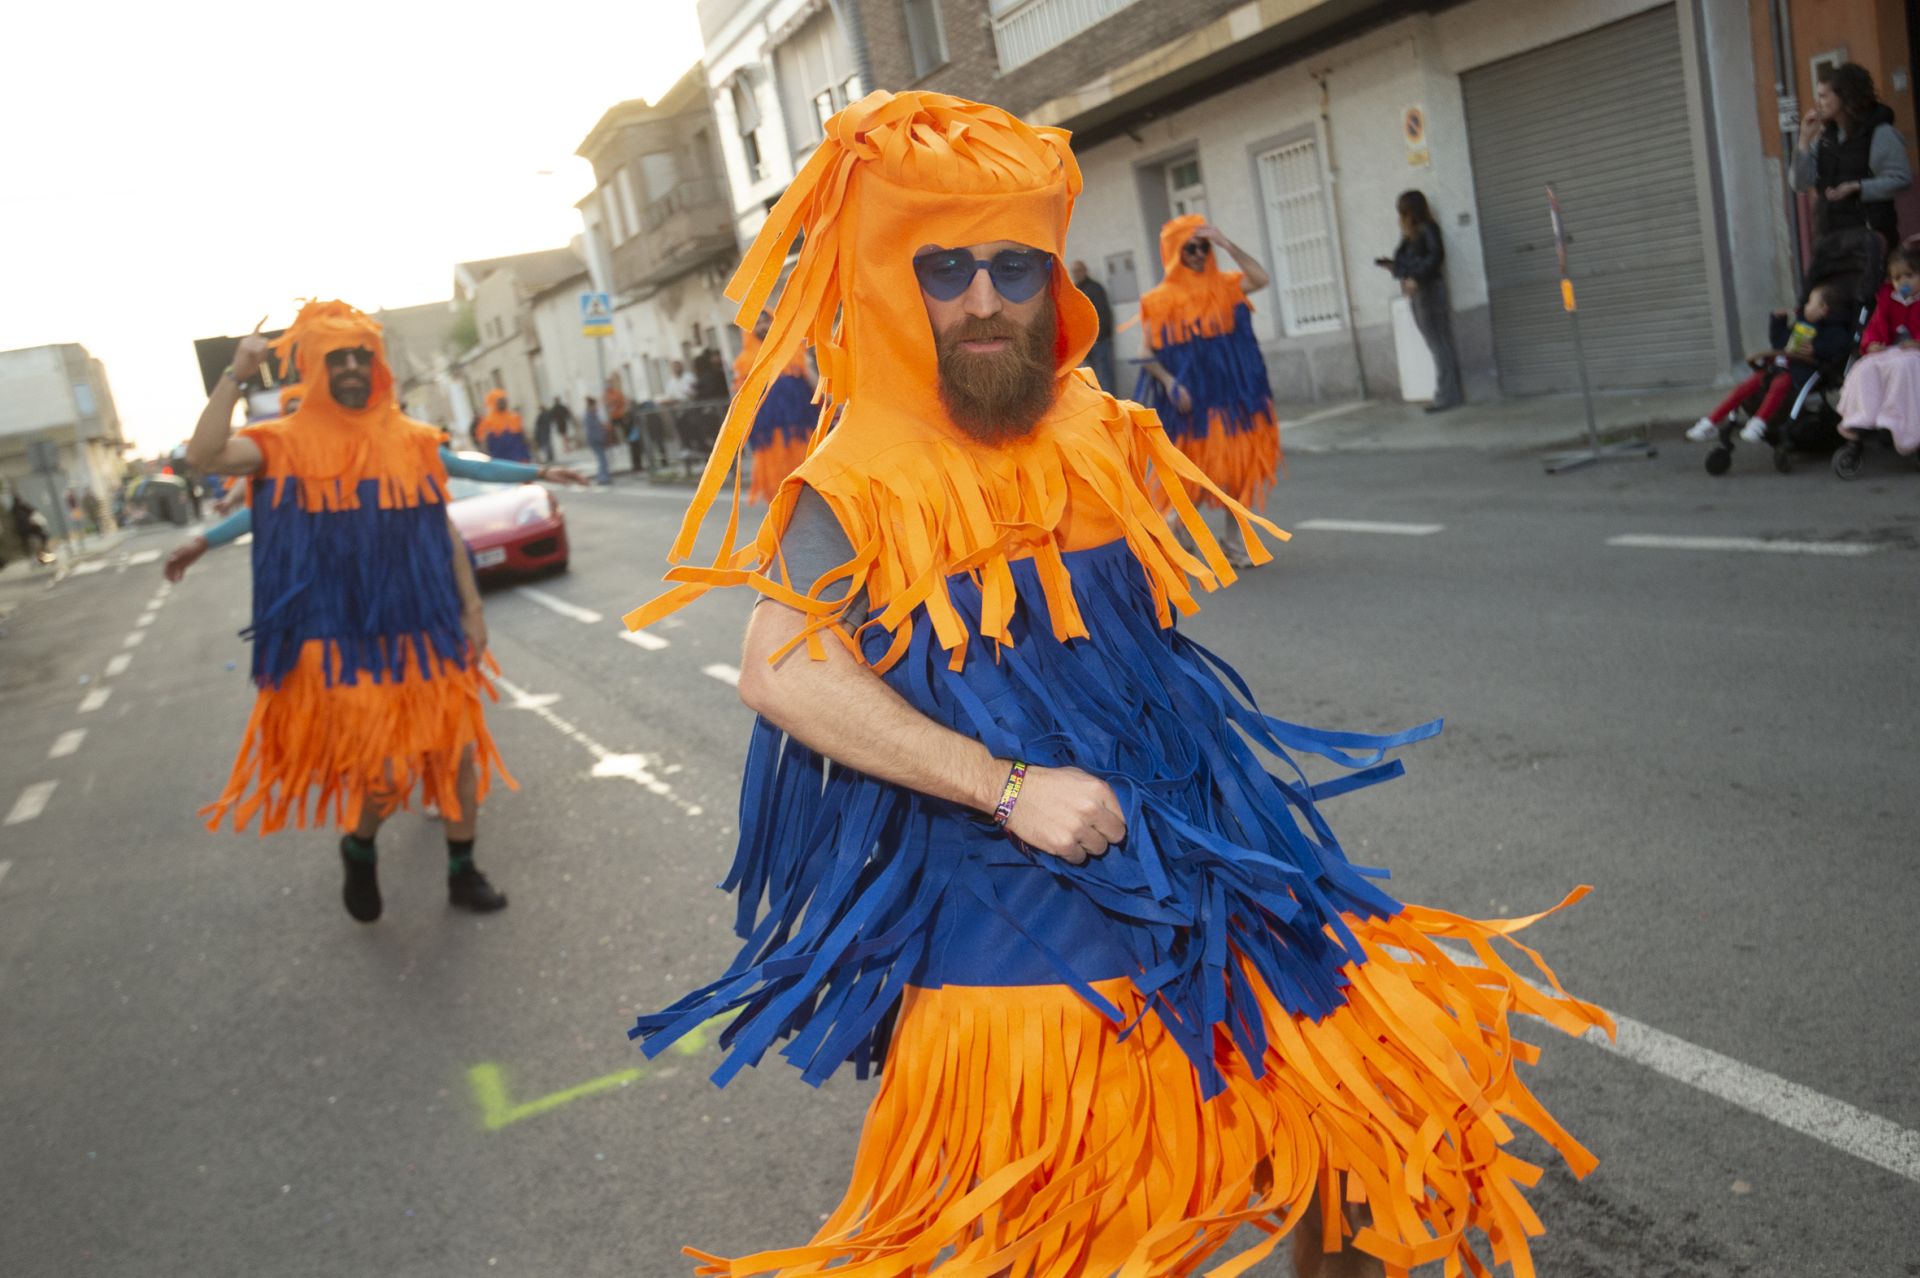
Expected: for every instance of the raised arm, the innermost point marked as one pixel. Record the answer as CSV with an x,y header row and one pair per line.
x,y
1256,277
495,471
213,448
843,710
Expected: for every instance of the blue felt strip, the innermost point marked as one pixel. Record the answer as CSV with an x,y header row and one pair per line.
x,y
1223,373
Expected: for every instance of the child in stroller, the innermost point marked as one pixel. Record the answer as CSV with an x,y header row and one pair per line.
x,y
1846,268
1818,337
1883,389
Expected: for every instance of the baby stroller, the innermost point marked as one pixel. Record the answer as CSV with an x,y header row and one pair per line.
x,y
1850,265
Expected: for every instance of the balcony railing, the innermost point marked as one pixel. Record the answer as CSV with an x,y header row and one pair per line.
x,y
1022,32
699,193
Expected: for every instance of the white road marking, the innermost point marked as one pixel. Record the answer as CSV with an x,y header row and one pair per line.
x,y
244,539
153,604
94,700
1765,545
133,640
143,557
67,743
1338,410
117,664
32,801
90,565
146,619
643,639
554,603
723,672
1830,1121
637,768
1368,526
681,495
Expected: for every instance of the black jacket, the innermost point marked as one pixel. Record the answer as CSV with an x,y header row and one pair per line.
x,y
1421,258
1848,160
1103,308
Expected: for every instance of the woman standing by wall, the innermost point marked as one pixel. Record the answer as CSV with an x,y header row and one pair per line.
x,y
1851,157
1419,263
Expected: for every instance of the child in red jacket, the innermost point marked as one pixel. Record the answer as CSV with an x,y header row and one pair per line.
x,y
1883,389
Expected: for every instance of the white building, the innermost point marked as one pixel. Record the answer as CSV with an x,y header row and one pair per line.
x,y
59,394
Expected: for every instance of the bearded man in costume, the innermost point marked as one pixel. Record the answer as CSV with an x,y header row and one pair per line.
x,y
499,434
368,635
1005,836
784,422
1205,376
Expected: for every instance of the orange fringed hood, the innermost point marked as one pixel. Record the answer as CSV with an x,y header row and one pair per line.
x,y
1187,302
919,497
330,448
498,420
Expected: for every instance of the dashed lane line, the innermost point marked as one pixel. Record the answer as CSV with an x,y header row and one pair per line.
x,y
1762,545
67,743
117,664
133,640
724,673
645,640
31,803
145,619
138,558
643,770
94,700
1827,1119
1369,526
554,603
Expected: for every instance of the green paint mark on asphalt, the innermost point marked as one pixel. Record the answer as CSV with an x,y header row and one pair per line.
x,y
489,1083
496,1111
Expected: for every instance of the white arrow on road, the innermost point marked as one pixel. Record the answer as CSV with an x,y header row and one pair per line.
x,y
637,768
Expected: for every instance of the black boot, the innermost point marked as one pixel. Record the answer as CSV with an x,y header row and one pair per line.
x,y
361,891
468,889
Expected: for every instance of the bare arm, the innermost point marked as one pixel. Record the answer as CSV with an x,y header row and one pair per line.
x,y
1175,391
472,616
213,448
1256,277
843,710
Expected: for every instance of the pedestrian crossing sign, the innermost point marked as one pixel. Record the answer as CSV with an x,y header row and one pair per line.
x,y
596,315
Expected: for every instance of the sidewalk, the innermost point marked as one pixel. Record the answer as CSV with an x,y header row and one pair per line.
x,y
1504,425
21,579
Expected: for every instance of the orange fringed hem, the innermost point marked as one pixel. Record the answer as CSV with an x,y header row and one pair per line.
x,y
772,465
1242,464
325,750
1015,1132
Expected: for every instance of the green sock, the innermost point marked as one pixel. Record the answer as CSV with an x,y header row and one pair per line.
x,y
359,849
459,855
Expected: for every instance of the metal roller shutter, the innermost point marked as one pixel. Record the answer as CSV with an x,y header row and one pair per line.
x,y
1603,117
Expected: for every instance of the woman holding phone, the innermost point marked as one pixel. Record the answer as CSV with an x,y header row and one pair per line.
x,y
1419,264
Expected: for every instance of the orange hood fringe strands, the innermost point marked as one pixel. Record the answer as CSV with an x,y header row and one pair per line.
x,y
350,523
1198,325
1087,1070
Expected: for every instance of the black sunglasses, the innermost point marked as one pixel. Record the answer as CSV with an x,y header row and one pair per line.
x,y
1017,274
1196,248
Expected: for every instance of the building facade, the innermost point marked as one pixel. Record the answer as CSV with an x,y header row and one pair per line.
x,y
659,232
1295,124
514,353
59,394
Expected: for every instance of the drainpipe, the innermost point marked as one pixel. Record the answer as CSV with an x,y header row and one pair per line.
x,y
1783,80
1339,245
847,14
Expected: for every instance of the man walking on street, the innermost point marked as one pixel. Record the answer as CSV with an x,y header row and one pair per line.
x,y
543,434
1100,357
1008,838
596,432
562,423
368,635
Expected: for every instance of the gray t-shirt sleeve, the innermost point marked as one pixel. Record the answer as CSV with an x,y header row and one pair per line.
x,y
813,546
1887,162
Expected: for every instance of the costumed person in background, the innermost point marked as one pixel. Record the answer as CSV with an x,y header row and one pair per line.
x,y
785,420
1205,375
368,635
498,434
1005,835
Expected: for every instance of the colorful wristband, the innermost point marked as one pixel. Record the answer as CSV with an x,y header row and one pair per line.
x,y
1010,792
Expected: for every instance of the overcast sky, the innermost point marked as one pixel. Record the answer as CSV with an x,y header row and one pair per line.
x,y
175,170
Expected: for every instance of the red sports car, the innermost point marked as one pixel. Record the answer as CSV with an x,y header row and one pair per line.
x,y
510,528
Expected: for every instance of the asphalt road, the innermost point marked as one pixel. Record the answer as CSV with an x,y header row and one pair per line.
x,y
206,1068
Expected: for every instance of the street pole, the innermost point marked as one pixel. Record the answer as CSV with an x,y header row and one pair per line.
x,y
1595,451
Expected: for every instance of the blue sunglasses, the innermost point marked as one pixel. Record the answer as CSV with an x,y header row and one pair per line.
x,y
1017,274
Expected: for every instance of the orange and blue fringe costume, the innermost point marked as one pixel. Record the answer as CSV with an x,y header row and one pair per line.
x,y
1091,1070
782,426
367,687
1199,326
499,433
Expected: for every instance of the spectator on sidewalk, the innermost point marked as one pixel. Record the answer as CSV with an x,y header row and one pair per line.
x,y
683,388
597,440
1100,358
1419,263
1850,156
543,434
562,422
1882,390
30,526
1817,335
